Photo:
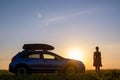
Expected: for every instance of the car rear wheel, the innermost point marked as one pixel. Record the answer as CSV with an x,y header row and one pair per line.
x,y
22,71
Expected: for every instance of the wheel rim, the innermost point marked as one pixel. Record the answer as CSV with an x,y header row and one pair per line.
x,y
21,71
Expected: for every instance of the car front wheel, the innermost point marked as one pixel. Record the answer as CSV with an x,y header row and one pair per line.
x,y
71,67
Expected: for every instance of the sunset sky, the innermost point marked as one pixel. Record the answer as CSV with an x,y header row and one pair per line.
x,y
68,25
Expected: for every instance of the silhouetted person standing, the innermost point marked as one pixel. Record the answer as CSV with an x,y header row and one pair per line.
x,y
97,60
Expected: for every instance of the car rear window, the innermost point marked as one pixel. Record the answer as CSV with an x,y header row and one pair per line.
x,y
34,56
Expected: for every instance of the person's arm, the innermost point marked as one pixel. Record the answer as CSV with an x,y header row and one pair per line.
x,y
94,56
100,55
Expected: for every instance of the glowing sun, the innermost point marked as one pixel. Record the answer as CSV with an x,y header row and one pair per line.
x,y
75,54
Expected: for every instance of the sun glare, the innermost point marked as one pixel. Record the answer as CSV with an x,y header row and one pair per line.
x,y
75,54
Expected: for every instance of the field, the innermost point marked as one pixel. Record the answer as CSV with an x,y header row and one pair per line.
x,y
88,75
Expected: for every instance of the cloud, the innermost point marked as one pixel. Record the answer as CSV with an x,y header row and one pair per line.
x,y
65,17
39,15
53,20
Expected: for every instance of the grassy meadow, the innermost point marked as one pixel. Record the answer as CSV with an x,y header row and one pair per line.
x,y
88,75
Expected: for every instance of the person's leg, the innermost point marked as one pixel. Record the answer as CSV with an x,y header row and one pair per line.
x,y
98,72
96,69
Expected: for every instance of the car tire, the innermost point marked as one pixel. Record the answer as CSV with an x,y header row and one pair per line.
x,y
22,70
71,67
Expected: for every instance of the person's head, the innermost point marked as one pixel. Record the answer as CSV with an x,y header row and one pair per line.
x,y
97,48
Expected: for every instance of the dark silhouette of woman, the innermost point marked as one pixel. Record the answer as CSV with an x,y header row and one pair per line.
x,y
97,60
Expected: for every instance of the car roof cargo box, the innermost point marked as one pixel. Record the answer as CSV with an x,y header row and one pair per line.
x,y
37,47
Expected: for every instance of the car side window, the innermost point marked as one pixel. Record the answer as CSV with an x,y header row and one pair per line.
x,y
48,56
34,55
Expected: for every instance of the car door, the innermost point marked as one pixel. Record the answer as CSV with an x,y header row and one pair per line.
x,y
34,61
52,62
